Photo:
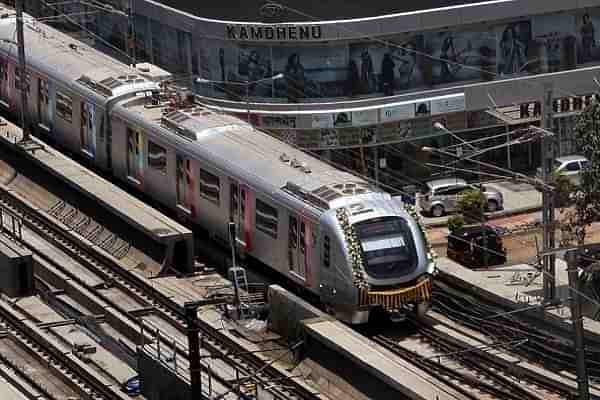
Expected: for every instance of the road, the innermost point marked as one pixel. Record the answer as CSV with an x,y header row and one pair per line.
x,y
517,196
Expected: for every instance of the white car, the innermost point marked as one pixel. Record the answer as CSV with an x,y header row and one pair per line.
x,y
569,166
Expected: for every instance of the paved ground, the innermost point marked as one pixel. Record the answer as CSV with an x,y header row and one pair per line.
x,y
518,198
521,247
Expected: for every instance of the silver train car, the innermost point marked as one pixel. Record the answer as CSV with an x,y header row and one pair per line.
x,y
329,232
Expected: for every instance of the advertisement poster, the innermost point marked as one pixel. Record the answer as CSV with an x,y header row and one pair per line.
x,y
365,117
587,25
422,109
395,113
514,53
448,105
555,38
316,71
322,121
385,68
342,119
454,52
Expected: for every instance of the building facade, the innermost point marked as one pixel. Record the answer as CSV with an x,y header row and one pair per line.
x,y
378,75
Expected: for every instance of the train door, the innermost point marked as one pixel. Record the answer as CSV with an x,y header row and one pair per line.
x,y
328,272
5,82
299,238
185,185
43,105
135,155
87,131
239,197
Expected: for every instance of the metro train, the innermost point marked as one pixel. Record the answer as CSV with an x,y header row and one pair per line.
x,y
329,232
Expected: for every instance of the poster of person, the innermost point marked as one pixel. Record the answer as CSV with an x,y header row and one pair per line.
x,y
454,52
554,38
254,64
384,67
310,72
422,109
342,119
587,37
513,49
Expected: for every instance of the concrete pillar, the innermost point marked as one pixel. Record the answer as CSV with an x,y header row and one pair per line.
x,y
149,41
188,56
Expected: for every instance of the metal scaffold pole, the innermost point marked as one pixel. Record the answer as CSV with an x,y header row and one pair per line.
x,y
548,259
22,70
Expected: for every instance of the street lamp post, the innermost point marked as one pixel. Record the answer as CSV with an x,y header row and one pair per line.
x,y
247,85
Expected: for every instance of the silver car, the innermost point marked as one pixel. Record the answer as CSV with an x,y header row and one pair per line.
x,y
568,166
442,196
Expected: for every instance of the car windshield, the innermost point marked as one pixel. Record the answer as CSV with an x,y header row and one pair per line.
x,y
388,247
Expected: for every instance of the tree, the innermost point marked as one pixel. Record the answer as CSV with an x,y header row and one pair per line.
x,y
587,196
472,205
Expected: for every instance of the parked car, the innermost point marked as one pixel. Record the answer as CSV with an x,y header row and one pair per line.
x,y
469,245
569,166
441,196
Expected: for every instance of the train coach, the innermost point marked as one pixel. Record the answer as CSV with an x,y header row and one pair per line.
x,y
327,231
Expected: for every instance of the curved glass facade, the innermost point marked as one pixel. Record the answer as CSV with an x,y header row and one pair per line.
x,y
397,64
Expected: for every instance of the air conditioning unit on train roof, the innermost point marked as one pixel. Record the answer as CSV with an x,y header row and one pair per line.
x,y
152,72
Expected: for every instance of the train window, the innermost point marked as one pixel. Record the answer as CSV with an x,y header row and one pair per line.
x,y
43,91
157,157
266,218
302,238
326,251
64,106
18,80
292,241
209,186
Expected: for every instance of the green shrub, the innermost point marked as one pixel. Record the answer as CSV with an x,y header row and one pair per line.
x,y
455,222
472,205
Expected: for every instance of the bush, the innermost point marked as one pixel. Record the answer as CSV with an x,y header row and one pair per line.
x,y
562,190
472,205
456,222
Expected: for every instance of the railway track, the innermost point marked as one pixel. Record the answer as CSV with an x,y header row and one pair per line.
x,y
217,343
476,370
555,352
49,372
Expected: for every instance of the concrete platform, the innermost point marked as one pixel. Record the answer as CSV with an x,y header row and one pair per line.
x,y
396,376
133,212
519,287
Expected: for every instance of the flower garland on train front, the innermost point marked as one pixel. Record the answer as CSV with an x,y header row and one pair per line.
x,y
412,211
354,249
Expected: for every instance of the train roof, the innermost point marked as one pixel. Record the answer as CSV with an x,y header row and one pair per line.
x,y
54,53
235,146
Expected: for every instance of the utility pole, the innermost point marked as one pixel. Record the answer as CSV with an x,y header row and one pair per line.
x,y
22,69
548,260
577,321
193,349
131,48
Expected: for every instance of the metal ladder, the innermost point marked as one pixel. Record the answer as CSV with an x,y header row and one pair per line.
x,y
238,277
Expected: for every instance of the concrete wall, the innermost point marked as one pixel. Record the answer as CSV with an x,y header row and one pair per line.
x,y
287,311
158,382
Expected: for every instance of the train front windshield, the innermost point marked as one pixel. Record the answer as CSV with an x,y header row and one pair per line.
x,y
388,247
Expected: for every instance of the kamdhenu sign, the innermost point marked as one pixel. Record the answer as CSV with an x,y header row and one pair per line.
x,y
275,33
